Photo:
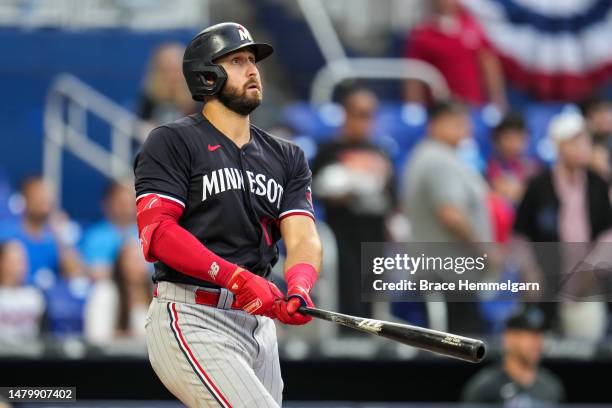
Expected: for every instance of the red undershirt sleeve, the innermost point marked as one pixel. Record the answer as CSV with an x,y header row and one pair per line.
x,y
163,239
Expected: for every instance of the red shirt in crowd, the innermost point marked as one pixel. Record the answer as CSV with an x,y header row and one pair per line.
x,y
452,44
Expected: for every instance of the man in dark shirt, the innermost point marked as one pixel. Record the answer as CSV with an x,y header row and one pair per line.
x,y
519,381
354,180
568,207
214,196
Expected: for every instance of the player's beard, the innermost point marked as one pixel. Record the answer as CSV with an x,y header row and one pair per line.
x,y
38,218
240,103
524,360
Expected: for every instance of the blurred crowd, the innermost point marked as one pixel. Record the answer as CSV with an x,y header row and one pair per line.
x,y
59,282
444,198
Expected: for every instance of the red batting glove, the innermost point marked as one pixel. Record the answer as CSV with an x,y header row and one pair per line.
x,y
254,294
300,280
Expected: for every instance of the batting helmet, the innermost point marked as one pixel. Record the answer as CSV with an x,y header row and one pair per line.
x,y
203,76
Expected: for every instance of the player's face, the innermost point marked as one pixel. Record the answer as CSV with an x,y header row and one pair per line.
x,y
447,7
451,128
600,121
242,92
575,152
512,143
524,345
169,65
120,208
360,109
13,264
38,201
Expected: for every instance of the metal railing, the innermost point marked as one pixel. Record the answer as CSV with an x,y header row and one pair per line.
x,y
339,67
335,72
69,104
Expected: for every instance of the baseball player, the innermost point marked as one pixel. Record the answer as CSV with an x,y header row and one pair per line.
x,y
214,196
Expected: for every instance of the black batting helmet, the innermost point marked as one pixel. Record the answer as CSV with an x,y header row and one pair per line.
x,y
212,43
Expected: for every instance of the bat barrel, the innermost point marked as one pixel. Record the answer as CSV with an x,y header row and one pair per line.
x,y
447,344
451,345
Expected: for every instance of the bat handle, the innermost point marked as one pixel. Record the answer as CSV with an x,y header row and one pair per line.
x,y
314,312
306,310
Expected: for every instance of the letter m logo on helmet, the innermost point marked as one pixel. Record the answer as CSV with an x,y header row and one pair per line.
x,y
244,34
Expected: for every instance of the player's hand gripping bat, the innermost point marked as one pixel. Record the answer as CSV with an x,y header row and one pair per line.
x,y
447,344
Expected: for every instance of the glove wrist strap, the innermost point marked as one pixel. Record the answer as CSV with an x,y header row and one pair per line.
x,y
301,278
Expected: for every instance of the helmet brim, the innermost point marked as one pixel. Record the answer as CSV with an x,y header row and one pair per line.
x,y
261,51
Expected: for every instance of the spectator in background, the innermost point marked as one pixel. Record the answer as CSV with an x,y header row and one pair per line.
x,y
21,307
165,97
354,179
509,167
453,42
102,241
508,171
117,307
34,230
598,115
569,204
519,381
66,297
577,196
54,265
445,199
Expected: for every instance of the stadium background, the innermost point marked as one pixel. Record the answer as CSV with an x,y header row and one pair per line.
x,y
72,74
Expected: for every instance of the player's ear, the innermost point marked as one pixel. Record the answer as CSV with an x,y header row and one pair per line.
x,y
207,79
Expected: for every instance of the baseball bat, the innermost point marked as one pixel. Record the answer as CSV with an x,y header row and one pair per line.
x,y
447,344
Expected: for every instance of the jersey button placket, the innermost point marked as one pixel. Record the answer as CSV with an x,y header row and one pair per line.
x,y
250,199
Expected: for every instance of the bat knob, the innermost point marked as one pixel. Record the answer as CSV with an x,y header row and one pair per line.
x,y
480,351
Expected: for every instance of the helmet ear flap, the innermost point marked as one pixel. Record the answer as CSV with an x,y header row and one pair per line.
x,y
212,79
206,80
205,84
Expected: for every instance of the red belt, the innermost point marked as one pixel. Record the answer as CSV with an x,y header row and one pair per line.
x,y
204,297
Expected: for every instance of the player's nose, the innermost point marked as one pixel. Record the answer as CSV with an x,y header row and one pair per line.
x,y
252,70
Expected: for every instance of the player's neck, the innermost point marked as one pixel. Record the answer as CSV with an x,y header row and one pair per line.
x,y
234,126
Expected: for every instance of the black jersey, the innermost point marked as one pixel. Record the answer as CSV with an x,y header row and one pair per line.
x,y
492,385
234,198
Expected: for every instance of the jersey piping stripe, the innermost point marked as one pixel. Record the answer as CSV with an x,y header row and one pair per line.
x,y
176,200
195,365
295,212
